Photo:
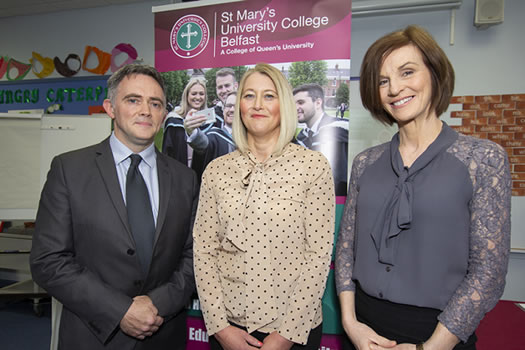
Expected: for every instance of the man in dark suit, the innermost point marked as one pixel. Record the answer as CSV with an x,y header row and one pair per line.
x,y
113,231
323,133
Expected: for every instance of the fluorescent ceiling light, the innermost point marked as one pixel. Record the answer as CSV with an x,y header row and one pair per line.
x,y
363,8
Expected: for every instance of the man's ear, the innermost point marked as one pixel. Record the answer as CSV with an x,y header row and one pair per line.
x,y
108,107
318,103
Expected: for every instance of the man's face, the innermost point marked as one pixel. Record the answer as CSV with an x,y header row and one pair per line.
x,y
306,107
229,109
138,110
225,85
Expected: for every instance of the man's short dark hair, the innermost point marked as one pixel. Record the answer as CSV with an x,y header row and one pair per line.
x,y
224,72
233,93
129,70
315,91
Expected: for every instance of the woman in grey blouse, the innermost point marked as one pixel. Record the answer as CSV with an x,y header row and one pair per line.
x,y
423,246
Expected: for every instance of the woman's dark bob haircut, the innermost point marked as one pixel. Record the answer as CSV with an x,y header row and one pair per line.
x,y
434,58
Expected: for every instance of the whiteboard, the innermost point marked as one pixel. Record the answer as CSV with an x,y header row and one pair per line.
x,y
19,162
31,152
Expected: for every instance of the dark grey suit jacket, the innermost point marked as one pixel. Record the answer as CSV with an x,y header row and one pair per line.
x,y
83,251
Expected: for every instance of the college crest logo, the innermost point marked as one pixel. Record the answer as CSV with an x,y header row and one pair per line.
x,y
189,36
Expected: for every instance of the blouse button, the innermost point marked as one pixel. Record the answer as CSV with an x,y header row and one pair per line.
x,y
380,294
130,252
388,269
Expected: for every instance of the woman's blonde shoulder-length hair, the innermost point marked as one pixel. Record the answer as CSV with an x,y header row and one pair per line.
x,y
287,109
184,105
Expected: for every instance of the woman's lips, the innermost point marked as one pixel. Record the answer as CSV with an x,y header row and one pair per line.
x,y
402,102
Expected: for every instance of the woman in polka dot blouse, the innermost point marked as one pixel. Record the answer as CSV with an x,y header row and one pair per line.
x,y
264,229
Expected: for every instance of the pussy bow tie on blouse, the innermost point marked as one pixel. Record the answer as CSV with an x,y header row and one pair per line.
x,y
396,214
254,233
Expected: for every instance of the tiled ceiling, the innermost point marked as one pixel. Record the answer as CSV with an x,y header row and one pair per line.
x,y
11,8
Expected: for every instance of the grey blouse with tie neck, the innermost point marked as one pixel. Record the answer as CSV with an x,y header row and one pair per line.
x,y
436,234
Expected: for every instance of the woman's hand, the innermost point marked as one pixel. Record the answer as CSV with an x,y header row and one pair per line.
x,y
404,346
441,339
364,337
233,338
192,121
275,341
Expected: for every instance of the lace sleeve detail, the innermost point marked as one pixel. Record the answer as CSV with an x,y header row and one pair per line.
x,y
344,253
489,235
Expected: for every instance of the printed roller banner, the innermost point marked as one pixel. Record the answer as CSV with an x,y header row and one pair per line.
x,y
203,48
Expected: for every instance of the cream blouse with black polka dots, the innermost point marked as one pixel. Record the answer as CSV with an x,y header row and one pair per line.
x,y
263,241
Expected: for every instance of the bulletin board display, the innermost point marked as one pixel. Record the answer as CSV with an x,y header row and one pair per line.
x,y
72,95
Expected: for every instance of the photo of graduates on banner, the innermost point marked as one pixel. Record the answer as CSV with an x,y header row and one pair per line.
x,y
201,105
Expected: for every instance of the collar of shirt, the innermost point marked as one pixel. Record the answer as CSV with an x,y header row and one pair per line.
x,y
315,127
148,169
121,152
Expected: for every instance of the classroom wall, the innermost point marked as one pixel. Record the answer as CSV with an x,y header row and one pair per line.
x,y
61,33
487,62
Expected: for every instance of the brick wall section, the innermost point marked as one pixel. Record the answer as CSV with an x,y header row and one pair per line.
x,y
500,118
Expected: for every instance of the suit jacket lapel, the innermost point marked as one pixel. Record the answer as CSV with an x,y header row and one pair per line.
x,y
106,166
325,119
164,192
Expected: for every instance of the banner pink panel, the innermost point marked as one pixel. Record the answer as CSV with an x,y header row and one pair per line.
x,y
247,32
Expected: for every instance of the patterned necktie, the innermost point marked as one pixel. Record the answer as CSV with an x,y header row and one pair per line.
x,y
140,215
308,141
